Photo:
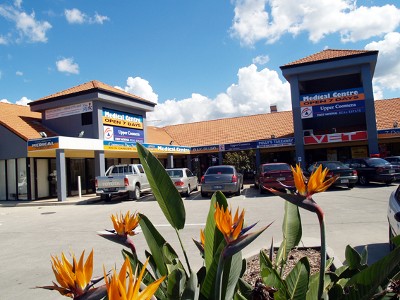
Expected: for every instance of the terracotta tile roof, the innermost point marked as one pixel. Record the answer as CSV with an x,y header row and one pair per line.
x,y
157,135
328,54
387,111
90,86
233,130
22,121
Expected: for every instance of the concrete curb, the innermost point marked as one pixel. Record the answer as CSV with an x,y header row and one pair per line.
x,y
50,202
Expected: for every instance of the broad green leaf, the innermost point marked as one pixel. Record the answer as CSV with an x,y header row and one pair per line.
x,y
364,256
298,278
155,241
353,258
265,260
231,275
313,284
208,287
238,296
171,257
364,284
192,289
213,237
271,278
291,230
244,288
396,240
176,283
163,189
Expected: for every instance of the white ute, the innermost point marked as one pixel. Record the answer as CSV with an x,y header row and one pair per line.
x,y
122,179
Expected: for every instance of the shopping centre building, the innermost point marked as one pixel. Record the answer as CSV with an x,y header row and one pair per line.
x,y
56,146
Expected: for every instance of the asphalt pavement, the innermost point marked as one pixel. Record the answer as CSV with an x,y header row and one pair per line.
x,y
32,231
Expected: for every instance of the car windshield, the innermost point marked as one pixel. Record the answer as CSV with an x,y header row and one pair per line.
x,y
279,167
175,173
376,162
332,165
219,170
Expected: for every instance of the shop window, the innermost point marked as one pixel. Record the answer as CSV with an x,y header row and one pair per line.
x,y
87,118
11,180
3,195
22,179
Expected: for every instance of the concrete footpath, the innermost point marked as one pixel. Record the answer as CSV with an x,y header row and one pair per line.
x,y
75,200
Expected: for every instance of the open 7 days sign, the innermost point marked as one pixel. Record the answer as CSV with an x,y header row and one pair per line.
x,y
335,137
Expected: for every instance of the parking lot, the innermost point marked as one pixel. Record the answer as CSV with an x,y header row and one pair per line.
x,y
29,235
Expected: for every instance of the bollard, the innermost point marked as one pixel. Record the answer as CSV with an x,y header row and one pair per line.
x,y
79,187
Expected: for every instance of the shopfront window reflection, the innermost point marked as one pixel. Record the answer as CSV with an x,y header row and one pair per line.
x,y
22,179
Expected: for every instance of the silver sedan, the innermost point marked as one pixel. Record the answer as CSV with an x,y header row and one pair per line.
x,y
184,180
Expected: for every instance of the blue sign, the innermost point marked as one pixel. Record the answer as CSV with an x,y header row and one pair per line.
x,y
128,135
240,146
338,109
276,143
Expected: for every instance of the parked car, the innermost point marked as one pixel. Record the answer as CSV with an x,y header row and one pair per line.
x,y
393,215
273,175
347,176
394,160
374,169
224,178
122,179
184,180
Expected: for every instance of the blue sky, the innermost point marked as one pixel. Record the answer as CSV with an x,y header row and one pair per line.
x,y
198,60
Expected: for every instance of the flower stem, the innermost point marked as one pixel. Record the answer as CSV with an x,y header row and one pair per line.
x,y
184,251
320,215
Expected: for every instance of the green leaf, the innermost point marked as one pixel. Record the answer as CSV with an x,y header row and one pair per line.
x,y
353,258
271,278
291,230
155,241
313,284
208,286
164,191
192,289
364,256
176,283
213,237
298,278
231,275
238,296
244,288
364,284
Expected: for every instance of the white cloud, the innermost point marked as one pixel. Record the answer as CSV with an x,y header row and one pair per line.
x,y
387,71
5,101
75,16
268,20
255,91
19,73
1,74
23,101
67,65
261,60
3,40
18,3
140,87
26,24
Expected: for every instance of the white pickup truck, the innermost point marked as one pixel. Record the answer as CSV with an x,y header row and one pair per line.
x,y
122,179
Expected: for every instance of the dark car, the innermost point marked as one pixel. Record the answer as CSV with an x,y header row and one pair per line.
x,y
393,215
394,160
224,178
347,176
374,169
273,175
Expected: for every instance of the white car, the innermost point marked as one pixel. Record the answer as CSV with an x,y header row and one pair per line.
x,y
184,180
394,215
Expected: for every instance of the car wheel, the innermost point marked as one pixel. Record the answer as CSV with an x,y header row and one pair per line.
x,y
204,194
391,245
363,180
237,193
136,193
187,193
350,185
262,191
107,198
388,182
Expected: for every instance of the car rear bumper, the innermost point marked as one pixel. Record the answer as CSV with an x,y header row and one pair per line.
x,y
345,180
223,187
